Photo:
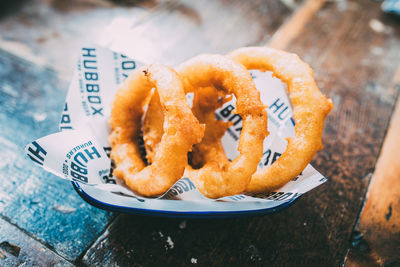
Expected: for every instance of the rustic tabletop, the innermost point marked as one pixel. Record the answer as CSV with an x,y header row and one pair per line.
x,y
354,49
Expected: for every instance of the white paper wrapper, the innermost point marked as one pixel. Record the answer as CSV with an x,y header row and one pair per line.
x,y
79,152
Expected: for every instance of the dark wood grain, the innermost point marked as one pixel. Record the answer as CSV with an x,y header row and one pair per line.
x,y
18,249
354,51
31,99
376,239
356,68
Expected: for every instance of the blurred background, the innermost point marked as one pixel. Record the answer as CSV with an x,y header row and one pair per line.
x,y
353,47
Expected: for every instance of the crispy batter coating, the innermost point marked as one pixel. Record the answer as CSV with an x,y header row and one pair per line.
x,y
153,126
206,100
310,107
219,177
181,130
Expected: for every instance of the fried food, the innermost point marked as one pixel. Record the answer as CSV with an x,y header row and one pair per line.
x,y
310,107
206,100
218,177
152,127
181,130
171,129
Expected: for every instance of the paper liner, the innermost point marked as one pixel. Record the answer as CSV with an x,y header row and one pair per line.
x,y
80,151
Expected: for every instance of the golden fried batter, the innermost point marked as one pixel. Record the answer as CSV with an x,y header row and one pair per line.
x,y
219,177
181,130
310,107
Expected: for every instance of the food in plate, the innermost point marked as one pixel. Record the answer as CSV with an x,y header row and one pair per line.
x,y
181,130
310,108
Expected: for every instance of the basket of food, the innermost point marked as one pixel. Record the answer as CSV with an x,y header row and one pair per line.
x,y
217,136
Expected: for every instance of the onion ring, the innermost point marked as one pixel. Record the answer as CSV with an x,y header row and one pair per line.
x,y
310,108
181,130
219,177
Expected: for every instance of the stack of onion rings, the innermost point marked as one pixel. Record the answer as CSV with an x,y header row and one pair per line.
x,y
212,79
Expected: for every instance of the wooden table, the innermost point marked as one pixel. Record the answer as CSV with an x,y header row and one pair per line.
x,y
353,219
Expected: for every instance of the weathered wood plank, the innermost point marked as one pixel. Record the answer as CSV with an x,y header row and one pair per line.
x,y
376,239
354,57
50,32
294,26
31,99
18,249
188,28
354,64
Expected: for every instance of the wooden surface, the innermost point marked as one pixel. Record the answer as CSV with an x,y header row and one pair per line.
x,y
376,237
354,50
16,248
48,209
